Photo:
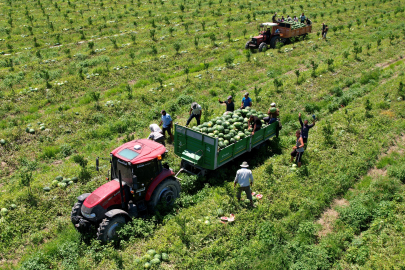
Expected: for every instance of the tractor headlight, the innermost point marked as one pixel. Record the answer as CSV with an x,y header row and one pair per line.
x,y
92,215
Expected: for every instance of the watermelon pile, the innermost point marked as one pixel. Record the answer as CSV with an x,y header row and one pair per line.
x,y
151,259
61,182
295,25
230,127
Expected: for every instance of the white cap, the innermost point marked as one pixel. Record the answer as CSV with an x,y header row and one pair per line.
x,y
273,104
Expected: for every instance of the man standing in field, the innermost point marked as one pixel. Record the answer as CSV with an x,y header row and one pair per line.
x,y
166,123
195,111
230,106
246,101
302,18
298,149
305,128
244,178
274,18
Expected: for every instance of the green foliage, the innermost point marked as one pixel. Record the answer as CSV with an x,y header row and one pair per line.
x,y
398,172
137,228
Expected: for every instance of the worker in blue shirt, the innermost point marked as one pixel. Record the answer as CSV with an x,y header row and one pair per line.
x,y
166,123
246,101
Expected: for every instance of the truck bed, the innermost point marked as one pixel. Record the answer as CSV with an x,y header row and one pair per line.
x,y
202,150
286,32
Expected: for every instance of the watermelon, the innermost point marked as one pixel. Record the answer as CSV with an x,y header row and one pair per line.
x,y
55,183
27,130
151,252
273,109
210,124
62,185
47,189
155,261
221,144
13,206
32,131
207,222
204,130
235,116
253,111
216,132
247,201
70,183
226,131
2,141
238,124
220,135
231,127
59,178
237,138
74,179
241,135
245,126
220,212
247,108
232,140
146,258
227,136
42,127
147,265
3,211
218,122
157,256
165,257
211,134
221,139
221,129
240,119
226,142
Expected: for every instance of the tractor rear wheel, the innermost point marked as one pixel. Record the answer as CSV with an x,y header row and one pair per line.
x,y
165,193
107,230
247,45
75,215
274,41
262,47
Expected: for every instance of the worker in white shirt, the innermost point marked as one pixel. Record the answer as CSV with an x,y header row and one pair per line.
x,y
156,134
244,178
195,111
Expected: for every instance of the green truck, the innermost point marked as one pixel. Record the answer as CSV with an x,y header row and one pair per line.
x,y
200,152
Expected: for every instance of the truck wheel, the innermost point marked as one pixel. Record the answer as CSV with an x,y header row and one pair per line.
x,y
107,228
247,45
76,213
274,41
262,47
166,193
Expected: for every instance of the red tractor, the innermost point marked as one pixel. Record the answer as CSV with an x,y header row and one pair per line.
x,y
278,33
139,182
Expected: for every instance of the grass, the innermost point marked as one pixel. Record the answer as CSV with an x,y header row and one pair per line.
x,y
52,84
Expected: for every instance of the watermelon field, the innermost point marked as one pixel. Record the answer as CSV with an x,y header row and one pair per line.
x,y
80,78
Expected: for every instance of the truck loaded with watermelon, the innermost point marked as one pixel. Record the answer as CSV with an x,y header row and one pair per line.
x,y
219,141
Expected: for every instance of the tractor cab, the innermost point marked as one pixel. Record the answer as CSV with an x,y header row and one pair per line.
x,y
139,182
266,31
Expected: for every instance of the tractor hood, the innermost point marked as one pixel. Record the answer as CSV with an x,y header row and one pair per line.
x,y
103,195
258,37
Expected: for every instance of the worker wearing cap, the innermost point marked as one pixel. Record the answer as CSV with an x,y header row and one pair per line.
x,y
244,178
156,134
195,111
274,115
230,106
167,123
246,101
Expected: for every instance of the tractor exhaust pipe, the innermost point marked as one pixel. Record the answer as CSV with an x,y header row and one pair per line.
x,y
121,191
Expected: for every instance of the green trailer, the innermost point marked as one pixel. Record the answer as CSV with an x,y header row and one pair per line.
x,y
199,152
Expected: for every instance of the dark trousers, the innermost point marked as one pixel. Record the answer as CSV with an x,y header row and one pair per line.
x,y
197,116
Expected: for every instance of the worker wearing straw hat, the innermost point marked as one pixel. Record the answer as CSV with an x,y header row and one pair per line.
x,y
244,178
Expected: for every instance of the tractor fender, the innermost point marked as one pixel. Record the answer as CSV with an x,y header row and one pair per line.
x,y
162,176
116,212
83,197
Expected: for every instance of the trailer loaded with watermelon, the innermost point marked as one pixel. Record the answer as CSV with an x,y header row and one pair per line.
x,y
219,141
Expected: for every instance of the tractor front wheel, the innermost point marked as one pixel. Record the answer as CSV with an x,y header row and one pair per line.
x,y
262,47
75,215
107,230
165,193
247,45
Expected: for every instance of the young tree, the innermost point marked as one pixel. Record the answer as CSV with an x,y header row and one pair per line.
x,y
229,36
186,71
297,73
176,46
95,96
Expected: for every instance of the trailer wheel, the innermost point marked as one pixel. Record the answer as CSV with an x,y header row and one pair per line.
x,y
165,193
262,47
274,41
75,215
107,229
247,45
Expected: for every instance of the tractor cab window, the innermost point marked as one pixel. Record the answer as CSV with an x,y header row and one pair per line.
x,y
146,171
124,168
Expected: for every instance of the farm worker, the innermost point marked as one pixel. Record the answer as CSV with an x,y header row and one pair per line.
x,y
166,123
305,128
298,149
230,106
244,178
274,18
246,101
323,28
282,19
302,18
255,123
295,19
273,113
267,33
156,134
195,111
325,32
